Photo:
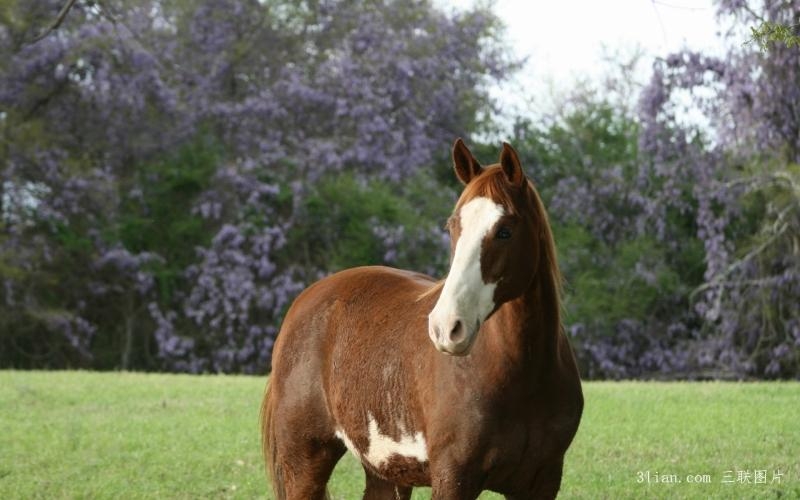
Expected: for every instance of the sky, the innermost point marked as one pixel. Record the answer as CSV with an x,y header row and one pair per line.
x,y
565,39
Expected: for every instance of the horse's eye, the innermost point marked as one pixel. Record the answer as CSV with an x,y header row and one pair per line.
x,y
503,233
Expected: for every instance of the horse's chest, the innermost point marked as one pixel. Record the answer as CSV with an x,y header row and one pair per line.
x,y
516,449
400,456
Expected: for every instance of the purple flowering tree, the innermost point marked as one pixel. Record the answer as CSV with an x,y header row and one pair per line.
x,y
744,198
678,236
119,249
75,107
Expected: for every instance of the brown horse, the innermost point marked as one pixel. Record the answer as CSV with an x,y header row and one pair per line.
x,y
463,385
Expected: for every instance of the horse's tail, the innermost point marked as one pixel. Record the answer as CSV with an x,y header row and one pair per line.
x,y
268,447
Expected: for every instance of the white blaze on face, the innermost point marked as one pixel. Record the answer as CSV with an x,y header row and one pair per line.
x,y
382,447
465,297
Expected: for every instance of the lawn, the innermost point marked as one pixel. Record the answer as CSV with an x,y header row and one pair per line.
x,y
127,435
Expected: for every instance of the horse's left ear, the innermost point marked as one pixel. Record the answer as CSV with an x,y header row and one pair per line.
x,y
509,160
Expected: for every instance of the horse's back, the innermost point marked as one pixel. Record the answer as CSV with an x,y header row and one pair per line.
x,y
371,301
362,290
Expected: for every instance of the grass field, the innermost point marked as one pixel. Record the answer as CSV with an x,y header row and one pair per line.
x,y
125,435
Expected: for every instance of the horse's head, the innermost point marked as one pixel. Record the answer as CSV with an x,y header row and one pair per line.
x,y
494,232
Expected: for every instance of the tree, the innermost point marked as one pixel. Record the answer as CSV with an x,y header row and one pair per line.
x,y
176,144
747,202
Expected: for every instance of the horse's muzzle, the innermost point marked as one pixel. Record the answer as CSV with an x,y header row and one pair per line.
x,y
451,335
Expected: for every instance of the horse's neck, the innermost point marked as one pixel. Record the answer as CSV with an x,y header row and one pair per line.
x,y
527,329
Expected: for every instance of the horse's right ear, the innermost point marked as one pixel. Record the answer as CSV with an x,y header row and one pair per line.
x,y
465,165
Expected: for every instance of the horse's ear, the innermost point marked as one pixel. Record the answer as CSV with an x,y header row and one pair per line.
x,y
465,165
509,160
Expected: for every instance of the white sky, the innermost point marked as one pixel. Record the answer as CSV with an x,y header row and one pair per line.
x,y
565,39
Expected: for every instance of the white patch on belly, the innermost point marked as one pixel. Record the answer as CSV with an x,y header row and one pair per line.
x,y
382,447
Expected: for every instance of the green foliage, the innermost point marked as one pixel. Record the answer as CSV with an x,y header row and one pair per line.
x,y
158,216
340,214
342,218
92,435
72,240
587,135
769,33
606,284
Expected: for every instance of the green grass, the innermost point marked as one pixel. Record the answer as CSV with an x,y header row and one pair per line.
x,y
125,435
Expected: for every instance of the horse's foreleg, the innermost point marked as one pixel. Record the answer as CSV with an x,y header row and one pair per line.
x,y
307,466
454,483
379,489
548,481
545,485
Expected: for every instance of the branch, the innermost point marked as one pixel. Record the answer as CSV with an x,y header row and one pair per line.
x,y
759,182
779,227
59,19
753,13
106,12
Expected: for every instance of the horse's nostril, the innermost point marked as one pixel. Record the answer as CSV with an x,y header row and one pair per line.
x,y
457,332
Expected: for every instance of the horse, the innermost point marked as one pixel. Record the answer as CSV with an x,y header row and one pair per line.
x,y
464,385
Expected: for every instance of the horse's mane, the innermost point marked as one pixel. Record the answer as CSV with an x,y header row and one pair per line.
x,y
432,290
492,184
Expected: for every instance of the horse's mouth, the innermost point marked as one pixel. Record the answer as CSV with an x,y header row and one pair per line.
x,y
458,350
